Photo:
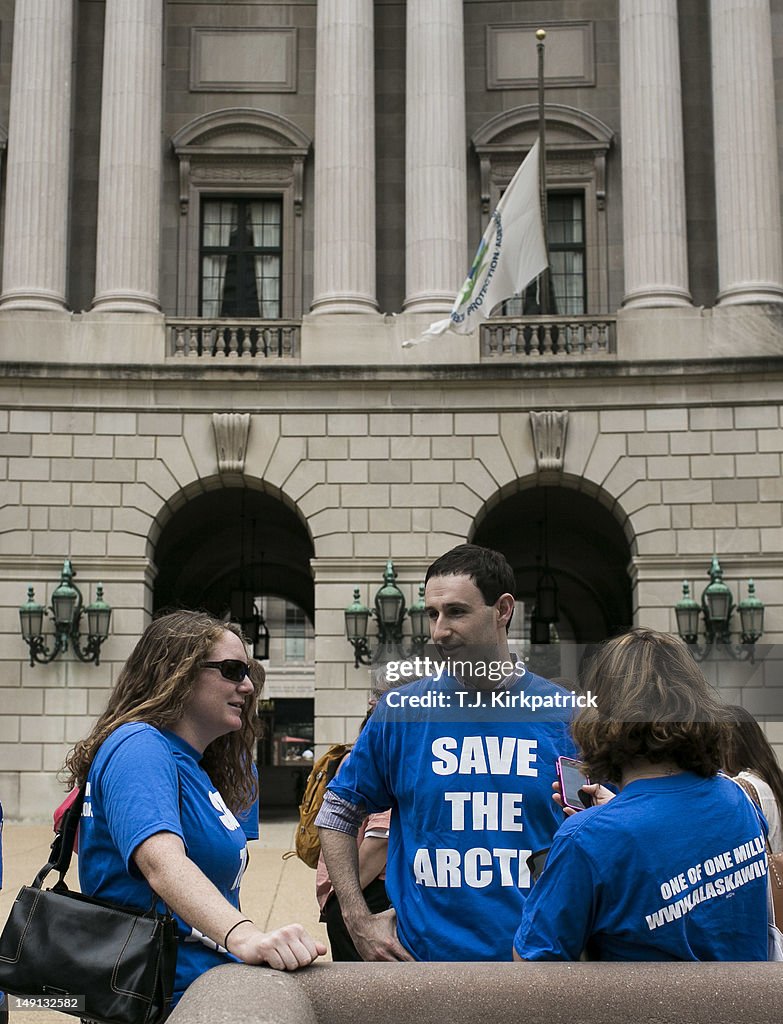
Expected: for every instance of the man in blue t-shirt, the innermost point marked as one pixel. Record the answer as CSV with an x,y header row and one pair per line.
x,y
465,757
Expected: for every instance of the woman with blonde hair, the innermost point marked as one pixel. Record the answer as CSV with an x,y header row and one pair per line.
x,y
167,768
673,868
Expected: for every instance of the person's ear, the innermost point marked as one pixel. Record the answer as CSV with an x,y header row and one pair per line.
x,y
505,609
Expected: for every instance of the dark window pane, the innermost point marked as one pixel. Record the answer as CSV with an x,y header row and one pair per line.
x,y
565,238
241,258
294,633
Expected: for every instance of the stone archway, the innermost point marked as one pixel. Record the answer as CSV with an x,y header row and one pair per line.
x,y
235,539
203,552
588,553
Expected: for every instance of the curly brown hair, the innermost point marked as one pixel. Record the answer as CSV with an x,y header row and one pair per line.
x,y
653,702
154,686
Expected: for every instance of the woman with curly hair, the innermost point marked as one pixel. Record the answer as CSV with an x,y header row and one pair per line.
x,y
672,868
167,767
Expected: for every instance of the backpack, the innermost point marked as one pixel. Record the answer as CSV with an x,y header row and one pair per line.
x,y
307,844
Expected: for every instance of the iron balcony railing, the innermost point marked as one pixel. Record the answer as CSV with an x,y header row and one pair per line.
x,y
517,337
233,339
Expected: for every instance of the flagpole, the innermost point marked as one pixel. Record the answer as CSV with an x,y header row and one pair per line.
x,y
544,286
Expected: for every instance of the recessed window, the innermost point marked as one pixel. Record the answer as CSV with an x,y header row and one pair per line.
x,y
294,633
566,237
566,242
241,258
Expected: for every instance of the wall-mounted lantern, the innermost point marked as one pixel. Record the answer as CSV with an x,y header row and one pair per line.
x,y
389,614
716,610
67,609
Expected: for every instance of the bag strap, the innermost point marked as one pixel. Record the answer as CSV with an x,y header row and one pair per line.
x,y
62,847
746,788
772,861
749,788
751,791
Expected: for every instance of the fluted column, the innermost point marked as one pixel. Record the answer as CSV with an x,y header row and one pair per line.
x,y
435,143
654,238
344,261
747,184
36,201
126,278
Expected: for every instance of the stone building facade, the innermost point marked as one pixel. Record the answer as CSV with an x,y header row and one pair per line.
x,y
220,221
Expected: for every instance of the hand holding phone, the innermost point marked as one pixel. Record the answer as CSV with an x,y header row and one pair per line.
x,y
572,777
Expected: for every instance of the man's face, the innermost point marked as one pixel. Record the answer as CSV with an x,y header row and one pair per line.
x,y
462,625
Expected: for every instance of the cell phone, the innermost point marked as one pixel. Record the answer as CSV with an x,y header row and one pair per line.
x,y
572,777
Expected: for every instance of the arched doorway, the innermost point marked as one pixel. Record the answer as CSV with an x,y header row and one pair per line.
x,y
588,555
225,551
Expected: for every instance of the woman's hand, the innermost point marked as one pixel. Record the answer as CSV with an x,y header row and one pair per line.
x,y
284,949
598,794
186,889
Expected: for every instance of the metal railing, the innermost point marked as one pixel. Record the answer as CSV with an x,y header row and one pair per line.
x,y
233,339
531,337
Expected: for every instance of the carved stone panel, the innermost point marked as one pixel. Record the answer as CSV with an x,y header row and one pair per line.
x,y
512,54
231,434
549,439
243,59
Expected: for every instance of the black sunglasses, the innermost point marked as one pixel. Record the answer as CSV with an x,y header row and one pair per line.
x,y
230,668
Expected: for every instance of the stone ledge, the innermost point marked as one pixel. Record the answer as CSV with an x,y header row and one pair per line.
x,y
493,993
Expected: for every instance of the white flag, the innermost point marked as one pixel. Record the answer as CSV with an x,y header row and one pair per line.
x,y
511,254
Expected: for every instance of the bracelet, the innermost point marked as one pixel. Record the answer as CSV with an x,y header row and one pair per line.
x,y
245,920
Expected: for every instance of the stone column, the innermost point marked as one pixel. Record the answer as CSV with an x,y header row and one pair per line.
x,y
436,254
653,166
36,199
344,260
747,184
126,278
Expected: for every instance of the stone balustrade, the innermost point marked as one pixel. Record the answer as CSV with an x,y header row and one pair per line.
x,y
233,339
521,337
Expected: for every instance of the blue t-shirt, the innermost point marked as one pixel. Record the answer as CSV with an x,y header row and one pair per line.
x,y
471,797
133,792
673,868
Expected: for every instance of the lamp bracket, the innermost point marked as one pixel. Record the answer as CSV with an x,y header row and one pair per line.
x,y
739,652
66,631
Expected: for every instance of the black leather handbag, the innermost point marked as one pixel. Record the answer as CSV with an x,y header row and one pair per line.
x,y
60,943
